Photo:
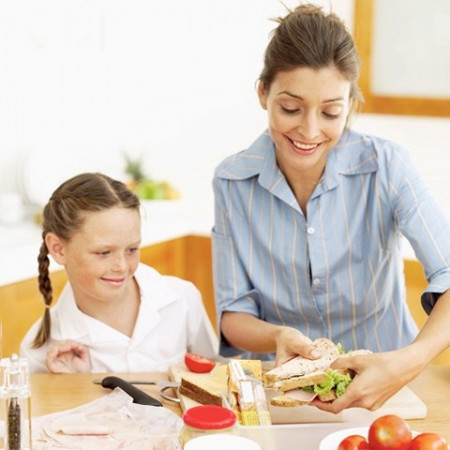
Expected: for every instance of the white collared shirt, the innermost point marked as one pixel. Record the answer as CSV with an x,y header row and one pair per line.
x,y
171,321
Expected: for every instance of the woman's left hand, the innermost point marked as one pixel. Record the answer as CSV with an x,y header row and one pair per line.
x,y
378,376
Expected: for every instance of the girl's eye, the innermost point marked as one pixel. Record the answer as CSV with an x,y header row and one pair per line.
x,y
133,250
105,253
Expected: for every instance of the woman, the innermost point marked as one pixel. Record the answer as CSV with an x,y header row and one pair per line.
x,y
114,314
306,240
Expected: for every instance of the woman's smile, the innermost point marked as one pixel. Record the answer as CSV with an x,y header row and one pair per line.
x,y
303,148
307,111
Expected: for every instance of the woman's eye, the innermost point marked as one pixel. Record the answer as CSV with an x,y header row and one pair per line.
x,y
289,110
331,116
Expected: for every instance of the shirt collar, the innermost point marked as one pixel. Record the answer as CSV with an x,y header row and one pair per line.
x,y
354,154
156,293
70,317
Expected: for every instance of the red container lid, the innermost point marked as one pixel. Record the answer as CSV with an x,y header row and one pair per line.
x,y
209,417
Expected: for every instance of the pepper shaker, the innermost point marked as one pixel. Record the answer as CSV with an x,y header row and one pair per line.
x,y
15,403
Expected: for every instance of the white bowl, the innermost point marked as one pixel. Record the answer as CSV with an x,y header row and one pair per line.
x,y
221,441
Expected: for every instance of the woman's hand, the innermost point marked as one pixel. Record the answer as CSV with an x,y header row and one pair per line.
x,y
247,332
291,343
378,377
68,357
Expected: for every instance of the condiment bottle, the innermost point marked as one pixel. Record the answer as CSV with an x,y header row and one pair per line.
x,y
15,403
206,419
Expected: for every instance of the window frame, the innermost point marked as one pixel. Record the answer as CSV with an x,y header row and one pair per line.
x,y
363,32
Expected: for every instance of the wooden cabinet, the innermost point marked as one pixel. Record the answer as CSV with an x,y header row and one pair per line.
x,y
21,304
189,258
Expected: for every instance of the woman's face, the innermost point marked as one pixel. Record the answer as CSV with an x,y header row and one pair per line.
x,y
100,259
307,111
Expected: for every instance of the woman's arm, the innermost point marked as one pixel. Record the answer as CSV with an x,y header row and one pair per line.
x,y
381,375
434,336
247,332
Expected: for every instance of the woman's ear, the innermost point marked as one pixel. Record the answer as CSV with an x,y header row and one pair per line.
x,y
262,94
55,246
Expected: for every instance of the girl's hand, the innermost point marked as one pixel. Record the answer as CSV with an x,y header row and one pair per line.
x,y
291,343
378,377
68,357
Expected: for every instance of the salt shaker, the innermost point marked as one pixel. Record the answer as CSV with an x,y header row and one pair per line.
x,y
15,403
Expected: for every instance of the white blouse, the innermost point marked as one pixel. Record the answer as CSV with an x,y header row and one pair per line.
x,y
171,321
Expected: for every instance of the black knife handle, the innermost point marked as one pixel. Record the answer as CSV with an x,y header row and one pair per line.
x,y
138,396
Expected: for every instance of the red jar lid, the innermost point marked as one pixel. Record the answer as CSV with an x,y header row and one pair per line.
x,y
209,417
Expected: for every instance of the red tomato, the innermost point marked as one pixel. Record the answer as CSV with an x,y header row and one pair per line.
x,y
389,432
198,364
354,442
428,441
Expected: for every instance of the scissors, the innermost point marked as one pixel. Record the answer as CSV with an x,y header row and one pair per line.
x,y
128,386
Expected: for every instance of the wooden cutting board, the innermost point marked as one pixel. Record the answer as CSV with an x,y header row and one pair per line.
x,y
405,404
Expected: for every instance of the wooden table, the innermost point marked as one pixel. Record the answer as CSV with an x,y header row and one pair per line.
x,y
51,393
433,388
57,392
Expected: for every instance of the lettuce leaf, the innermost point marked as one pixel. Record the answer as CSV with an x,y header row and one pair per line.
x,y
340,348
334,380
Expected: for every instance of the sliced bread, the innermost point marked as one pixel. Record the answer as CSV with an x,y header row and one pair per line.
x,y
299,366
205,388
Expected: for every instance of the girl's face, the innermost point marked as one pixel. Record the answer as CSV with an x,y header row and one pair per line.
x,y
100,259
307,111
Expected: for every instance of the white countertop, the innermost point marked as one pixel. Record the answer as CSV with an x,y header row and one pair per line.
x,y
161,221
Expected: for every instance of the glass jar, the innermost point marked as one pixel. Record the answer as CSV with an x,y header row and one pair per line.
x,y
15,403
206,419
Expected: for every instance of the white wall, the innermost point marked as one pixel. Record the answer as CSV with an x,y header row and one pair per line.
x,y
83,81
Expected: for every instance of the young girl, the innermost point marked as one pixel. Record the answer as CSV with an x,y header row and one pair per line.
x,y
114,314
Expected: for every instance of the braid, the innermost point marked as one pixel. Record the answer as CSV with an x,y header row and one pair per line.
x,y
45,287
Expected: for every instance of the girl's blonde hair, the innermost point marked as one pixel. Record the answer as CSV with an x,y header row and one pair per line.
x,y
63,215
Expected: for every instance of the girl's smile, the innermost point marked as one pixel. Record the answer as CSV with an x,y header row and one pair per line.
x,y
116,282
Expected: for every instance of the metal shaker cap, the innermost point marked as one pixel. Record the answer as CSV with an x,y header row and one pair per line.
x,y
15,377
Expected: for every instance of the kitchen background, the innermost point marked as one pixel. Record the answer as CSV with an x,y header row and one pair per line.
x,y
173,83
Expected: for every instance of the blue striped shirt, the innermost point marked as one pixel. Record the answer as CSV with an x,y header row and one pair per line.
x,y
337,273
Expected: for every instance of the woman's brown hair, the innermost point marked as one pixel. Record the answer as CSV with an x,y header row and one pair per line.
x,y
63,215
308,37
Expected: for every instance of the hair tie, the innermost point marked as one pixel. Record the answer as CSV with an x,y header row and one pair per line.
x,y
46,306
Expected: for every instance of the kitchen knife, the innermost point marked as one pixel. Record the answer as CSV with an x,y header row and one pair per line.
x,y
161,383
138,396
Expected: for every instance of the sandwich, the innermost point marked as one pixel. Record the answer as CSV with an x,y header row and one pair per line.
x,y
300,380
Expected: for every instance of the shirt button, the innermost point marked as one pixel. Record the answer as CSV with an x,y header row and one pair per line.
x,y
310,230
316,281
